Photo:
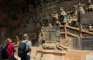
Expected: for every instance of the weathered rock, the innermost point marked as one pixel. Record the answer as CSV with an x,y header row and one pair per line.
x,y
49,45
61,47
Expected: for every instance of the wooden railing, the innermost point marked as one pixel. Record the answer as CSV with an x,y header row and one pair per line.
x,y
75,32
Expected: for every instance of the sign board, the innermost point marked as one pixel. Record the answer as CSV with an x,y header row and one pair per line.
x,y
89,57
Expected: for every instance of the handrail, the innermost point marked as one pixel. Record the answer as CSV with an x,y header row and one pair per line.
x,y
91,33
76,29
73,34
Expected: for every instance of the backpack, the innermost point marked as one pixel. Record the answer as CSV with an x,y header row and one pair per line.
x,y
4,53
22,49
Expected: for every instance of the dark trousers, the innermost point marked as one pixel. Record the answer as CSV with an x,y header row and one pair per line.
x,y
11,58
27,57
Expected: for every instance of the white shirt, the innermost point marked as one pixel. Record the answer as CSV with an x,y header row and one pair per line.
x,y
28,45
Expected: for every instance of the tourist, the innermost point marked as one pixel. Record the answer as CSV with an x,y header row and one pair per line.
x,y
10,49
28,47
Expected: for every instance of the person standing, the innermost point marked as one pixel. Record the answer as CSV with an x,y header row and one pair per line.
x,y
28,47
10,49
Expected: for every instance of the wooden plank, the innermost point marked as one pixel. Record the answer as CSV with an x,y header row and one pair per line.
x,y
73,35
62,32
74,28
91,33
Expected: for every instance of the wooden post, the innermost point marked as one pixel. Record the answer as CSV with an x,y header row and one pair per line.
x,y
65,31
65,28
